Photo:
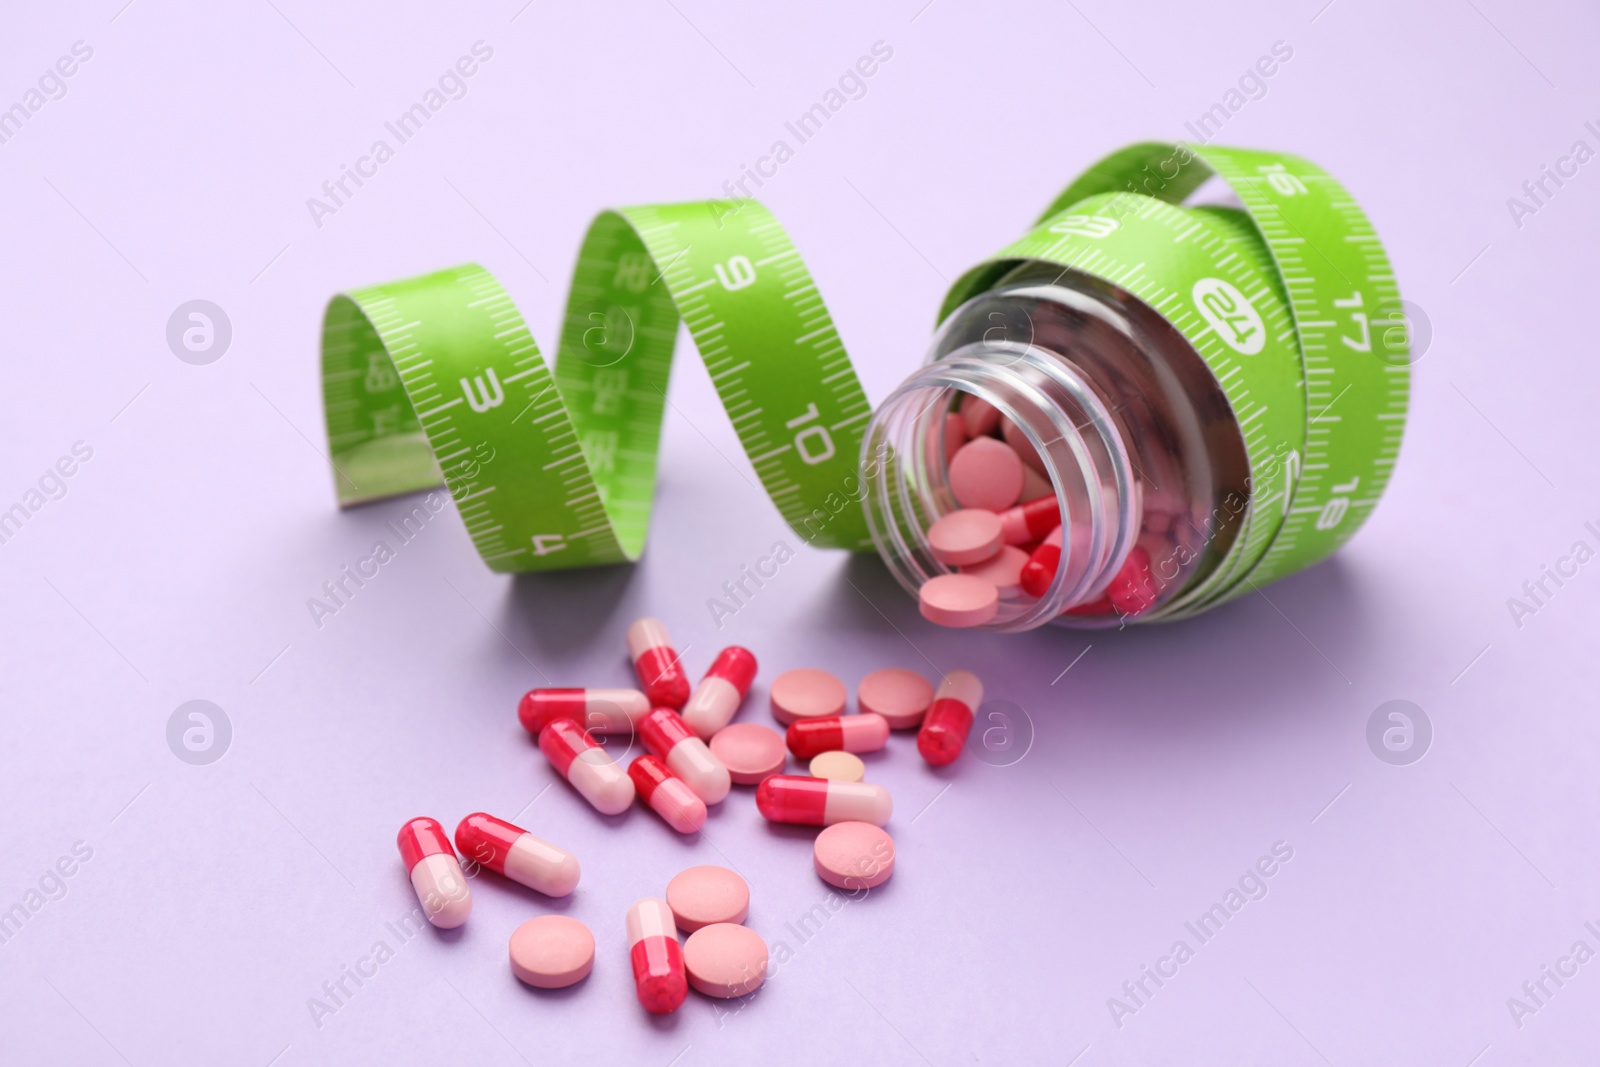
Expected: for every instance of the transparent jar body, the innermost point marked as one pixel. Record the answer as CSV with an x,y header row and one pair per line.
x,y
1140,446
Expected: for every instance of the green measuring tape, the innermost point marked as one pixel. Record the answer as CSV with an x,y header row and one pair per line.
x,y
437,378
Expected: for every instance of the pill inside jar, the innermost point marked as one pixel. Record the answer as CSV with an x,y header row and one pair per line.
x,y
1089,427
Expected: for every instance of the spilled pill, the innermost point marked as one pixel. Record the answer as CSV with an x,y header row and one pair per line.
x,y
657,665
725,960
670,740
853,855
435,874
806,693
659,979
958,600
749,750
586,766
837,766
552,952
900,696
700,896
510,850
600,711
792,798
668,795
844,733
718,696
944,730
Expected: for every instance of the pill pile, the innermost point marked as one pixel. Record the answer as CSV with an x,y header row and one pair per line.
x,y
694,755
1005,539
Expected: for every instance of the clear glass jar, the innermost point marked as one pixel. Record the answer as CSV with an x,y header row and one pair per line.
x,y
1133,431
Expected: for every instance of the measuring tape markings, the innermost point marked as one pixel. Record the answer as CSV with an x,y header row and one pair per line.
x,y
774,357
1268,448
1298,209
415,375
1115,237
1357,375
564,475
457,344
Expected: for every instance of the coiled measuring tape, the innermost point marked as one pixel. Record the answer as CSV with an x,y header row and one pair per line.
x,y
437,378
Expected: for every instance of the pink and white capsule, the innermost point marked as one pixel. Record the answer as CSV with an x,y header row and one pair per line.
x,y
600,711
944,729
656,663
721,691
668,795
810,801
435,875
669,739
657,958
508,849
867,732
586,766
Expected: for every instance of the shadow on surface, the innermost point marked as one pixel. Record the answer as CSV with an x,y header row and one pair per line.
x,y
563,611
1223,670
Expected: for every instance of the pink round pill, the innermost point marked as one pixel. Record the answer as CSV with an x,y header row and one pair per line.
x,y
958,600
704,895
1035,485
837,767
725,960
1004,569
806,693
980,416
552,951
900,696
955,435
853,855
750,751
965,537
1021,445
986,473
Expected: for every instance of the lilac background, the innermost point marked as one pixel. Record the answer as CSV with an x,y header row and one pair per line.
x,y
1166,761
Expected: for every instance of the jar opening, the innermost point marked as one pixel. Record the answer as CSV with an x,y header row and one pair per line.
x,y
1058,418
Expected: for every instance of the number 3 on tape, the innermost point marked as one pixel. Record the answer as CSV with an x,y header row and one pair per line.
x,y
437,378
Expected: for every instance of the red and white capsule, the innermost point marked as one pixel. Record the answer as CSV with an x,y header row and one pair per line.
x,y
510,850
435,875
669,739
656,663
944,729
1022,523
1040,570
820,802
1133,590
659,979
668,795
866,732
721,691
586,766
600,711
